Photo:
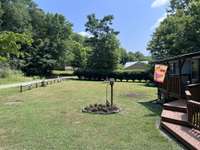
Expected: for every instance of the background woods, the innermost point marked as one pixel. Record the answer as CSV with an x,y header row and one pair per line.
x,y
36,42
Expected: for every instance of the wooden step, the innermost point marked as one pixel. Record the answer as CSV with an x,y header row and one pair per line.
x,y
174,117
179,105
187,136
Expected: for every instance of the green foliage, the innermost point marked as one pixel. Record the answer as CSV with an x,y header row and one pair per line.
x,y
132,56
49,33
49,46
37,42
15,16
8,76
123,56
11,43
179,32
79,55
103,42
136,56
117,75
77,51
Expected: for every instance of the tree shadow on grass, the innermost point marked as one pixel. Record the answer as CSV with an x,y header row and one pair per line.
x,y
153,106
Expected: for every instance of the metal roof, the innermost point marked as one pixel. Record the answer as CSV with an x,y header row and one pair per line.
x,y
129,64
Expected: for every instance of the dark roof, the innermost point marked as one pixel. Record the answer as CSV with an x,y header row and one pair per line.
x,y
178,57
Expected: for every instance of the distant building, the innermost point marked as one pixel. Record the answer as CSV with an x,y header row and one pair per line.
x,y
136,65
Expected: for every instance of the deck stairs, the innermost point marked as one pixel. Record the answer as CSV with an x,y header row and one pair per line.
x,y
174,120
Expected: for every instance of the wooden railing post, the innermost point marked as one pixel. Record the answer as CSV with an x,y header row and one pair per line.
x,y
21,88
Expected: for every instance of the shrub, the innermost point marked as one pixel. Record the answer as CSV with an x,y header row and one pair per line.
x,y
117,75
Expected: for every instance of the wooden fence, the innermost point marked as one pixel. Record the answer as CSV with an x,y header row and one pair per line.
x,y
41,83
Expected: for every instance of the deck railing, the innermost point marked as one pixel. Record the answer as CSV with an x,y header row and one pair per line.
x,y
174,85
194,90
194,113
193,105
171,85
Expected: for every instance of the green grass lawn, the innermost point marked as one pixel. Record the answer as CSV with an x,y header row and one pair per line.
x,y
51,118
68,72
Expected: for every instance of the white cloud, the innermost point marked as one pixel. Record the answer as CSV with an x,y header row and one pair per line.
x,y
85,34
159,3
159,21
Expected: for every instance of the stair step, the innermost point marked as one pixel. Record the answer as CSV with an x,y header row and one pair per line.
x,y
179,105
174,117
187,136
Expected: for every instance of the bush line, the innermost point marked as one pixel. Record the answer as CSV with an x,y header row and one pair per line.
x,y
117,75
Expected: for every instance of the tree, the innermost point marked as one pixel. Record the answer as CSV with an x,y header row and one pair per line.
x,y
179,32
15,16
11,43
123,56
136,56
104,43
50,34
79,54
178,5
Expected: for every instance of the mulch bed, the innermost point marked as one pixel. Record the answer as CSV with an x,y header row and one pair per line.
x,y
101,109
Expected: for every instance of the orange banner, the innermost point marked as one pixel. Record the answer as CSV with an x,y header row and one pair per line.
x,y
160,73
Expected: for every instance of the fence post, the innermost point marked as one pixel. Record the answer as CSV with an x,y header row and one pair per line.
x,y
43,83
21,88
30,87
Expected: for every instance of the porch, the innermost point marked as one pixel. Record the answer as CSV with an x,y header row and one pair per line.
x,y
183,73
181,116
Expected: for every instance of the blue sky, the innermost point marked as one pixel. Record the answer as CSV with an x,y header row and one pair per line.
x,y
135,19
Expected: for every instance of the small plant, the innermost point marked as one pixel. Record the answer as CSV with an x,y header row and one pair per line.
x,y
107,108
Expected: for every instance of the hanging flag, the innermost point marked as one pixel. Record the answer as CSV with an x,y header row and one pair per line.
x,y
160,73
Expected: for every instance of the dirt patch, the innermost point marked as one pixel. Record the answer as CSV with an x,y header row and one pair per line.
x,y
134,95
16,102
63,112
2,132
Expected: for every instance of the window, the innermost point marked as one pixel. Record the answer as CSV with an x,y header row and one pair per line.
x,y
195,70
173,68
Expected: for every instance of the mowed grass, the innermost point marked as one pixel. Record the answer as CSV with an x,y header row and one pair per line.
x,y
51,118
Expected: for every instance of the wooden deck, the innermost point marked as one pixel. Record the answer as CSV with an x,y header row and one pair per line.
x,y
174,120
179,105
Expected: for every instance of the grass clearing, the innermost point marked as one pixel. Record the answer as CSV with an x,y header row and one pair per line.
x,y
68,72
51,118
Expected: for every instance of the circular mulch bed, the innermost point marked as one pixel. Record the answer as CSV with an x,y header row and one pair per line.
x,y
101,109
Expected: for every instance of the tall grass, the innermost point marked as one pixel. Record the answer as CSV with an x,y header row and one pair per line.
x,y
12,76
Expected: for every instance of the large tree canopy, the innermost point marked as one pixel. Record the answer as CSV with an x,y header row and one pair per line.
x,y
104,43
179,32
